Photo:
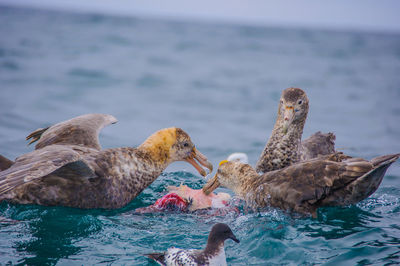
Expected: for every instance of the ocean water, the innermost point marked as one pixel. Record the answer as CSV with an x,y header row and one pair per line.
x,y
221,84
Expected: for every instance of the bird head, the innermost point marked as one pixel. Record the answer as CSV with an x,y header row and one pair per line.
x,y
173,144
293,108
230,175
220,232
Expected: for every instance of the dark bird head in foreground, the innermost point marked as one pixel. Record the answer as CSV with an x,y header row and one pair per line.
x,y
213,254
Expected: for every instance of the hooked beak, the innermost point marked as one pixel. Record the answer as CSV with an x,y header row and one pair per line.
x,y
233,237
288,116
195,154
211,185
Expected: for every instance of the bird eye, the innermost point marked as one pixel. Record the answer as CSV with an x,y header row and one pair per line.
x,y
300,102
185,144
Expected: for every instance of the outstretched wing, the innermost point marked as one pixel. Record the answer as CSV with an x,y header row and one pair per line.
x,y
42,162
82,130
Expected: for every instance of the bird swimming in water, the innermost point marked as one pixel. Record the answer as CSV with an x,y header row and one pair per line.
x,y
330,180
284,147
213,254
69,168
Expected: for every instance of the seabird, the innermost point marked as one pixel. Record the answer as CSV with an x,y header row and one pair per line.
x,y
213,254
330,180
69,168
284,147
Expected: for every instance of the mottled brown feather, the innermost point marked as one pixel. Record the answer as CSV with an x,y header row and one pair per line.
x,y
306,186
75,173
82,130
36,164
284,147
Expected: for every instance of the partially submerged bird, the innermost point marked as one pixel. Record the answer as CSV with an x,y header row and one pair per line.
x,y
69,168
284,147
331,180
213,254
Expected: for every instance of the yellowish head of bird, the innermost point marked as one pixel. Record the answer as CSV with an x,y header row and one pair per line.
x,y
173,144
293,107
230,174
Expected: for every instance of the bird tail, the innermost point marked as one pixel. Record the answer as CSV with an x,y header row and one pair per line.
x,y
362,187
5,163
35,135
385,159
158,257
368,183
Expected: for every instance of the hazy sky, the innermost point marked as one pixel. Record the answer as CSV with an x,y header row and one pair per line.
x,y
342,14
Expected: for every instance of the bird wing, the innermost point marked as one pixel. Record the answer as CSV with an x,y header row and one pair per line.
x,y
177,256
364,185
82,130
317,144
303,186
39,163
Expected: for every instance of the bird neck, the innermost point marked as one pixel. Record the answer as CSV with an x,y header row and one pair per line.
x,y
295,130
158,146
282,148
246,179
290,139
214,246
127,171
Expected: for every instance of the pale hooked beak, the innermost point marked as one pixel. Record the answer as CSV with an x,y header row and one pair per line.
x,y
211,185
195,154
288,116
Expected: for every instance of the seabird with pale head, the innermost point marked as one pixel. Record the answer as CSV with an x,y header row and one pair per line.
x,y
69,168
330,180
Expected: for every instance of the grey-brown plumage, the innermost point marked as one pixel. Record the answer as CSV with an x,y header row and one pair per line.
x,y
331,180
69,168
82,130
284,147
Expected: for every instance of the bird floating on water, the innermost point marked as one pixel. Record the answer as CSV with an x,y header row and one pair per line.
x,y
330,180
284,147
69,168
213,254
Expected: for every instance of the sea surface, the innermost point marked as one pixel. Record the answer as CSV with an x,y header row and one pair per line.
x,y
221,83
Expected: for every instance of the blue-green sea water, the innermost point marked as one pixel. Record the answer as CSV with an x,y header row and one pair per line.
x,y
221,84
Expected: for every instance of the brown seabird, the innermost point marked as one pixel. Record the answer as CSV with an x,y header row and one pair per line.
x,y
284,147
330,180
69,168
